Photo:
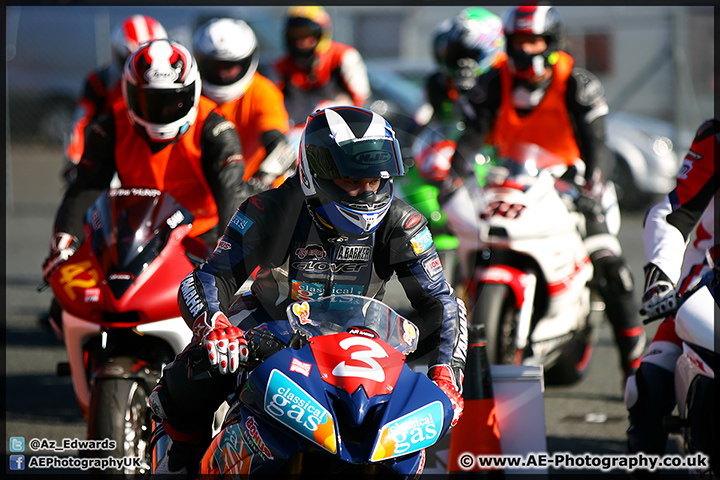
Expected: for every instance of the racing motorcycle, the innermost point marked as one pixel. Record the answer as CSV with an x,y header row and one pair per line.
x,y
328,393
121,322
696,424
525,267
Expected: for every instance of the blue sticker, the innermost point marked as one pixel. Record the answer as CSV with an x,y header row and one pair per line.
x,y
422,241
240,223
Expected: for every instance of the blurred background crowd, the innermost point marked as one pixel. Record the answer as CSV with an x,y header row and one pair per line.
x,y
655,63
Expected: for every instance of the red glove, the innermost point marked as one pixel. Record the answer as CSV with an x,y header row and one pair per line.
x,y
226,345
444,378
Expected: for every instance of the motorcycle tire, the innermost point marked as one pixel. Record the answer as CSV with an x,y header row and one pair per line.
x,y
574,362
119,411
495,308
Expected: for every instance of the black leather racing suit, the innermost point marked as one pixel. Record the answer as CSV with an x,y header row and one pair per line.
x,y
300,260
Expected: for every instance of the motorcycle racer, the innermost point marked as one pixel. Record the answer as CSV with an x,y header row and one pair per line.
x,y
538,96
161,134
102,86
334,227
316,68
668,228
226,51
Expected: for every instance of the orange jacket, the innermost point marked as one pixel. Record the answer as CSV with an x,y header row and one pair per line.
x,y
259,110
548,124
176,169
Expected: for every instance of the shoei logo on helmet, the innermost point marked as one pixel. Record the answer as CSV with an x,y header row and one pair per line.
x,y
372,158
157,75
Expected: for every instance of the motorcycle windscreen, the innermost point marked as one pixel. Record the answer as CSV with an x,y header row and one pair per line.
x,y
354,314
129,228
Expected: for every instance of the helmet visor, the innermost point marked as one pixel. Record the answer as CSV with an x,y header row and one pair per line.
x,y
366,158
161,105
223,72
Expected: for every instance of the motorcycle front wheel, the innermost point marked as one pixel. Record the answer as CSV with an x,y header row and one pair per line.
x,y
119,411
495,308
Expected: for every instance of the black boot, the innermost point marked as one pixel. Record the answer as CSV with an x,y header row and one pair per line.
x,y
654,390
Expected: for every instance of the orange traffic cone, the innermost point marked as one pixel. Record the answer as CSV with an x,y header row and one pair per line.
x,y
477,432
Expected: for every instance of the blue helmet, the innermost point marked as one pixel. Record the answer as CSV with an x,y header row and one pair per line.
x,y
348,143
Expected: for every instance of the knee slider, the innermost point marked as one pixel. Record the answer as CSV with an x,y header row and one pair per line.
x,y
156,403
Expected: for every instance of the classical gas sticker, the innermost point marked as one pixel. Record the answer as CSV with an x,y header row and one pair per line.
x,y
432,266
348,290
301,291
409,433
295,408
240,222
422,241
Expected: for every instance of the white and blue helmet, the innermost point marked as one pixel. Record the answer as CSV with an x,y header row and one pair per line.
x,y
345,143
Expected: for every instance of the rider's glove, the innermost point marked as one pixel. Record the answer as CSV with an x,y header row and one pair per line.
x,y
444,378
62,246
225,345
660,296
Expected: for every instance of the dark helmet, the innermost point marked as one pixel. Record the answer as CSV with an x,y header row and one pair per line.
x,y
474,43
541,20
311,21
347,143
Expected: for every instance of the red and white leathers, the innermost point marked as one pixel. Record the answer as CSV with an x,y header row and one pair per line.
x,y
339,71
669,228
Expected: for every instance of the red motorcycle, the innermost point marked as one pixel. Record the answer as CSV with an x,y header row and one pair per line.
x,y
121,322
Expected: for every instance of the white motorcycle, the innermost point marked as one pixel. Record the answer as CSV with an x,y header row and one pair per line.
x,y
697,421
525,267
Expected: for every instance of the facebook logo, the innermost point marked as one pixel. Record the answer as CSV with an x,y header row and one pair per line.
x,y
17,444
17,462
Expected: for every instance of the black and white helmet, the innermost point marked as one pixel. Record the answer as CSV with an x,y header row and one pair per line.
x,y
348,143
226,51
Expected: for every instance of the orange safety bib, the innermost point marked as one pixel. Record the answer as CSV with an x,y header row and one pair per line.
x,y
176,169
548,124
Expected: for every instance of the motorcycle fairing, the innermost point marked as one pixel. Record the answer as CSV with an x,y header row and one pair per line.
x,y
374,365
411,393
413,431
291,405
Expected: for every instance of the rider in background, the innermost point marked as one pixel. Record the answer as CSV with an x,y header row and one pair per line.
x,y
538,96
161,134
317,71
102,86
465,47
226,52
344,211
687,213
